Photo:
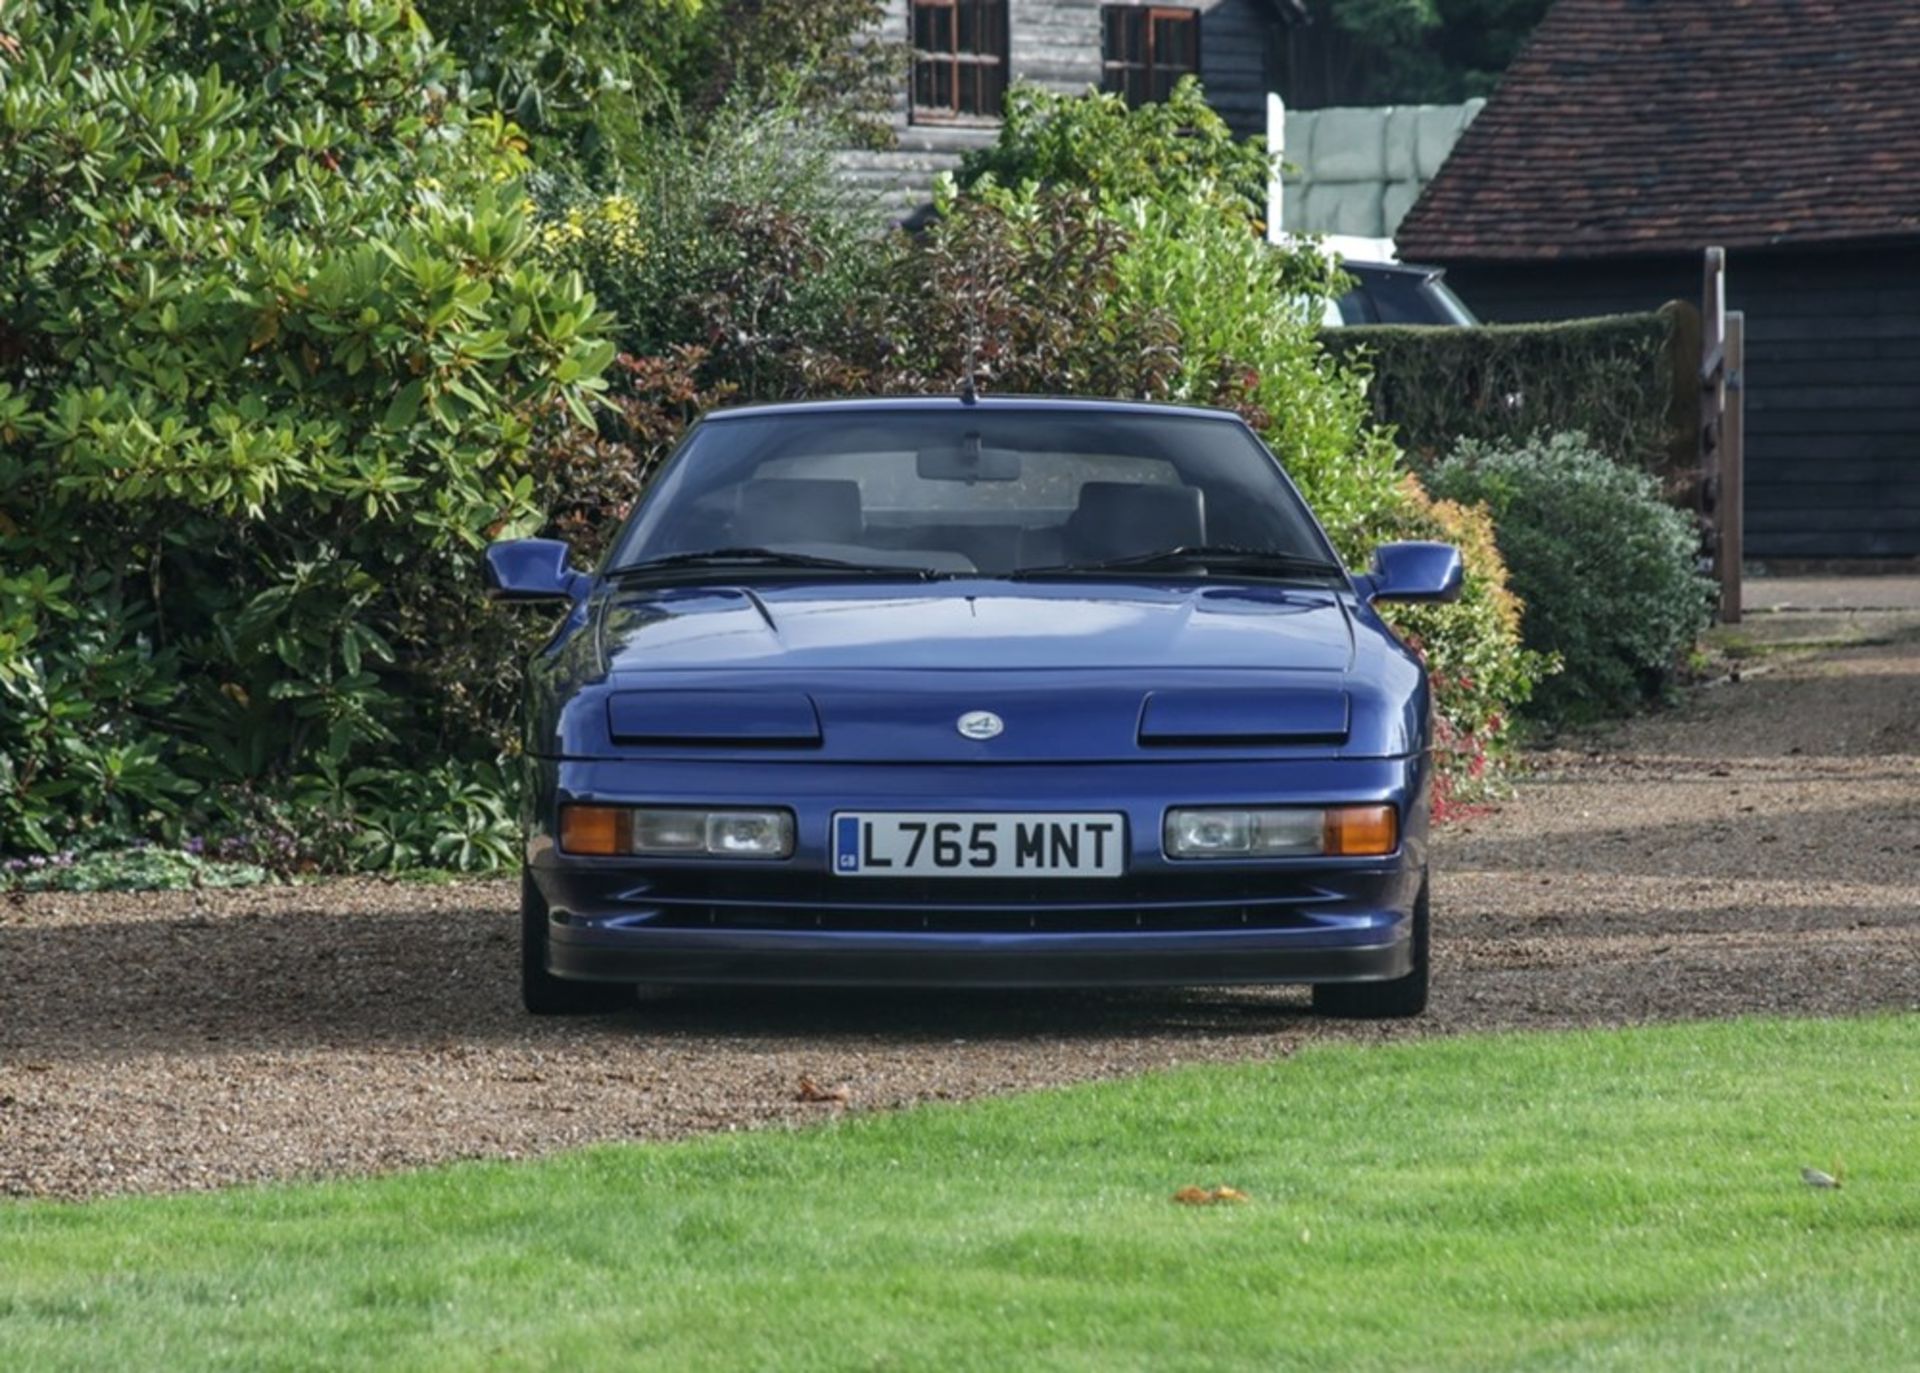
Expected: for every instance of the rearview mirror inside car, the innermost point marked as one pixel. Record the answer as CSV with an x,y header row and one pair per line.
x,y
968,461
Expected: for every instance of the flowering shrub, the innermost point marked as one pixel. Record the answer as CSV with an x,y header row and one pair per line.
x,y
1481,677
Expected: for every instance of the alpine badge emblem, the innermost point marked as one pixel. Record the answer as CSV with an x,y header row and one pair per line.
x,y
981,724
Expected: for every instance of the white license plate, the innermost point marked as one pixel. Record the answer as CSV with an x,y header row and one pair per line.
x,y
936,844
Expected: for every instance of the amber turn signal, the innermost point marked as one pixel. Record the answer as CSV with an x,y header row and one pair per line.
x,y
603,831
1360,831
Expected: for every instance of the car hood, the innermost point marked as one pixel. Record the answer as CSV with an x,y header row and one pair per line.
x,y
1075,671
801,627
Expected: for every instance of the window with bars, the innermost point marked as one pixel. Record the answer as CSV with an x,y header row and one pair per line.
x,y
959,58
1147,49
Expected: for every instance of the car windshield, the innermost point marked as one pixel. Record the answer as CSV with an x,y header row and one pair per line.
x,y
975,490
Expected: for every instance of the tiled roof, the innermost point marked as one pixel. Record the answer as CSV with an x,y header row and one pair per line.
x,y
1653,126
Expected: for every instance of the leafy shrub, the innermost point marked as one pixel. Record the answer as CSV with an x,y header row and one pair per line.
x,y
1165,152
593,80
273,350
455,816
1605,567
1480,676
1024,291
733,236
140,867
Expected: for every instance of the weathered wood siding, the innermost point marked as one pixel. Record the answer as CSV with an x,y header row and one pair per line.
x,y
1833,379
1056,44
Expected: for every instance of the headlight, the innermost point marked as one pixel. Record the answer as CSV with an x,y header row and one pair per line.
x,y
1281,832
617,831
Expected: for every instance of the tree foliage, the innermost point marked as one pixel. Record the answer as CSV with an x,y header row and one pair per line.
x,y
1158,152
593,81
273,349
1403,52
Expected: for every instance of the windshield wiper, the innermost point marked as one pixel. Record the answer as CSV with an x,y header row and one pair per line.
x,y
771,558
1198,555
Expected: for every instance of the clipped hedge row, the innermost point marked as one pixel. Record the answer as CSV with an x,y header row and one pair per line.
x,y
1626,381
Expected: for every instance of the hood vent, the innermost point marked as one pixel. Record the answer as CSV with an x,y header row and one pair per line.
x,y
774,719
1244,717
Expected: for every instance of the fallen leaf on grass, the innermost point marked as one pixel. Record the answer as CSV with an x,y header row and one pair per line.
x,y
1813,1177
813,1091
1200,1196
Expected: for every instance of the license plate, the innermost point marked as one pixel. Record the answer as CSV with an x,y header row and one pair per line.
x,y
903,844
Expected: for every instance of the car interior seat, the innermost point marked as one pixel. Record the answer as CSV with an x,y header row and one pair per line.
x,y
1122,519
778,511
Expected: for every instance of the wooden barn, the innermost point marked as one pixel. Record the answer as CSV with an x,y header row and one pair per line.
x,y
965,53
1633,134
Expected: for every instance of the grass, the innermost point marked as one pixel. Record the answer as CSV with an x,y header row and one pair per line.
x,y
1624,1199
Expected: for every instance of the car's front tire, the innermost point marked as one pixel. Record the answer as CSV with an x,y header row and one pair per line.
x,y
1395,1000
540,991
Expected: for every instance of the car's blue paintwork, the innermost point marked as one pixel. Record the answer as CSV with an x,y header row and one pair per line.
x,y
533,570
1415,572
832,694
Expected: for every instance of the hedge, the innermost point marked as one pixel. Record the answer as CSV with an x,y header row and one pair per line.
x,y
1626,381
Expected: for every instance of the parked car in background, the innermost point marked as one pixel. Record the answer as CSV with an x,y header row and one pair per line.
x,y
1007,692
1397,293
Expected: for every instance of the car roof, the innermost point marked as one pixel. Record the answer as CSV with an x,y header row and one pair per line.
x,y
1405,269
884,404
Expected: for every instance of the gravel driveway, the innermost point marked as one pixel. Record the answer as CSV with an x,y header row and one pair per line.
x,y
1757,850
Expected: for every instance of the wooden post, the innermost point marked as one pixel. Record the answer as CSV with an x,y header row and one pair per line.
x,y
1713,373
1713,402
1733,469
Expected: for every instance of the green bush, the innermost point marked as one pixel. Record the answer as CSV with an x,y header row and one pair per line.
x,y
1628,381
273,350
1605,567
594,81
1166,152
733,235
1481,676
141,867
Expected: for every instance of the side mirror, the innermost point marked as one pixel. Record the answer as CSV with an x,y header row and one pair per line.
x,y
1414,572
531,570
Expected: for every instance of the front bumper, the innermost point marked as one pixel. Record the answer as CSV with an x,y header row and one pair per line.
x,y
1164,923
910,960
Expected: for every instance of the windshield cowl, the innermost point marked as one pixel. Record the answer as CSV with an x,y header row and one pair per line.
x,y
1238,562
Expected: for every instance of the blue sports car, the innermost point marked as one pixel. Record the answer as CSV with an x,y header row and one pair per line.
x,y
997,692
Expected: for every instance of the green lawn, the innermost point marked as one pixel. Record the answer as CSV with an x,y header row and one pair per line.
x,y
1627,1199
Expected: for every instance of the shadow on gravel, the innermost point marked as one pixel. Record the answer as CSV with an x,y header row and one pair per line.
x,y
936,1017
293,979
1861,702
1743,828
